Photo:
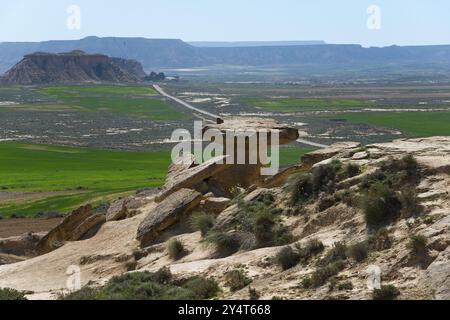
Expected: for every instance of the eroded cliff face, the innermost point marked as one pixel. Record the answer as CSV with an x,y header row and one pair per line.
x,y
327,199
73,67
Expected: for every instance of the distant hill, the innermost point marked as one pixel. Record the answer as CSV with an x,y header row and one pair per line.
x,y
72,67
155,54
236,44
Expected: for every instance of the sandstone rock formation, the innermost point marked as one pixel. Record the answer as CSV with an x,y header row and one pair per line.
x,y
72,228
167,213
334,215
73,67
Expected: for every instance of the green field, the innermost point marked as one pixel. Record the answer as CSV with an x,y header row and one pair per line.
x,y
137,101
83,174
291,155
294,105
414,124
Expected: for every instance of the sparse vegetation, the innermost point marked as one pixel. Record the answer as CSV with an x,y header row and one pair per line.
x,y
389,292
418,245
236,280
253,294
176,249
287,258
257,225
379,241
203,222
11,294
148,286
381,205
358,251
410,203
337,253
345,286
312,248
322,274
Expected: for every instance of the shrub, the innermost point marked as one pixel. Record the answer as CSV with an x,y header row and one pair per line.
x,y
202,288
380,205
306,283
337,253
351,170
301,188
226,243
264,229
418,245
85,293
312,248
148,286
287,258
11,294
345,286
236,280
410,203
325,202
175,248
379,241
389,292
322,274
202,222
345,196
359,251
323,177
253,294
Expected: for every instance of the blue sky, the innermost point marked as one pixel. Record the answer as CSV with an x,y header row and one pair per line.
x,y
413,22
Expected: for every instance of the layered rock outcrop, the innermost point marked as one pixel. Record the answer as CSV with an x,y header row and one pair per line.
x,y
333,215
73,67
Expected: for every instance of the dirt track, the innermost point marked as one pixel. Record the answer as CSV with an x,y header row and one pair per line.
x,y
17,227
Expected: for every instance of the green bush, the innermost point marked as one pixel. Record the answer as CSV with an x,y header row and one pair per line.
x,y
148,286
345,286
203,222
300,188
351,170
236,280
418,245
322,274
227,243
337,253
312,248
11,294
253,294
386,293
410,203
323,177
287,258
381,205
202,288
176,250
359,251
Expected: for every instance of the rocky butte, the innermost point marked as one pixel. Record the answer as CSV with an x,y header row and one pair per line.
x,y
345,220
72,67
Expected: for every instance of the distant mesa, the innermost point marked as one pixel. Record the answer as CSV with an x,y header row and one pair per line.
x,y
74,67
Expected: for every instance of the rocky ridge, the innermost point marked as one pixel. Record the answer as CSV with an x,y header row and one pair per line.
x,y
332,214
72,67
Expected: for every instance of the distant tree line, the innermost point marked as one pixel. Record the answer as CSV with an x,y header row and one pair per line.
x,y
153,76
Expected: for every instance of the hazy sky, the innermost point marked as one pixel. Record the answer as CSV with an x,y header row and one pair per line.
x,y
345,21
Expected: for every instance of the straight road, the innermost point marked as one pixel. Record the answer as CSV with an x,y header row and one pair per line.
x,y
217,118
